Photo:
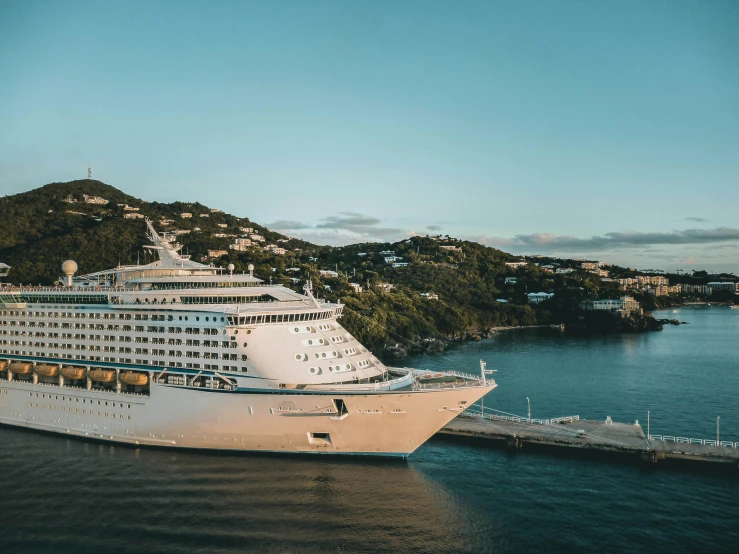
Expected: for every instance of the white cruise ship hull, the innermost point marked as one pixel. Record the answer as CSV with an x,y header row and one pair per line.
x,y
392,423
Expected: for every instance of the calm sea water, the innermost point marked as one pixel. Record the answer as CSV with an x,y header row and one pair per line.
x,y
65,495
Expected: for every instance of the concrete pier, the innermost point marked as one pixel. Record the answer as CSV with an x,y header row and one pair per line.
x,y
610,439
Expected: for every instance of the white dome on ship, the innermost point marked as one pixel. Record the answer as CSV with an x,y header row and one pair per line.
x,y
69,267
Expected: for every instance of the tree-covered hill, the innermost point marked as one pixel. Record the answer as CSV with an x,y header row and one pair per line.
x,y
447,289
42,229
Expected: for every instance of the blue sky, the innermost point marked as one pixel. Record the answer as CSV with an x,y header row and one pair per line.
x,y
589,129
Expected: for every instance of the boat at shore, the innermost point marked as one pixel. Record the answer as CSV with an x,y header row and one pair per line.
x,y
180,354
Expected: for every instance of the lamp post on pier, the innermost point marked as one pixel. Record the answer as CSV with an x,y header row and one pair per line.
x,y
718,430
529,403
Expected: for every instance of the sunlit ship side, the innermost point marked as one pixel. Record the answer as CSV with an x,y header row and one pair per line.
x,y
180,354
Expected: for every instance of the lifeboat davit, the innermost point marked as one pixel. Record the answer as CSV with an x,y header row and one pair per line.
x,y
47,370
134,378
102,375
21,368
70,372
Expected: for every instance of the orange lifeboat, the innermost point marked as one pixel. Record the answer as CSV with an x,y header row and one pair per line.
x,y
134,378
3,366
21,368
102,375
47,370
70,372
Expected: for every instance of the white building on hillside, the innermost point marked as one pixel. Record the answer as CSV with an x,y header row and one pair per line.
x,y
623,304
722,285
539,297
94,199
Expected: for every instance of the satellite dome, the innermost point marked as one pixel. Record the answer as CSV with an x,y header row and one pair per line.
x,y
69,267
231,267
251,267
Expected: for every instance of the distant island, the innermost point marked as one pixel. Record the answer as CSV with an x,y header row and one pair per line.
x,y
417,295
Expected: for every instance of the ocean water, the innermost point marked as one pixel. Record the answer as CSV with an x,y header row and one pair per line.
x,y
65,495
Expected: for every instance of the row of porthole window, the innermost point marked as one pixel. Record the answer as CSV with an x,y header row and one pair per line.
x,y
331,368
207,318
84,412
84,400
302,356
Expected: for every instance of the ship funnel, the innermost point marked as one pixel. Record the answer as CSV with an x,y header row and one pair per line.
x,y
69,268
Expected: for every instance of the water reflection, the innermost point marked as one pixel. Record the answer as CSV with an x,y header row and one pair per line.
x,y
106,497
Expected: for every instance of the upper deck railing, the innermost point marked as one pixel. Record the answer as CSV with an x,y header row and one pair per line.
x,y
100,289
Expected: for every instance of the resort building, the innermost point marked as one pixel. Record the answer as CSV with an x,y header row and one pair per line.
x,y
94,199
623,304
721,286
539,297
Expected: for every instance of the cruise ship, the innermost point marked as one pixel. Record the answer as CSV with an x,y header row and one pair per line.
x,y
185,355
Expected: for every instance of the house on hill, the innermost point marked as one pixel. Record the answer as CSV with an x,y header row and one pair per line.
x,y
539,297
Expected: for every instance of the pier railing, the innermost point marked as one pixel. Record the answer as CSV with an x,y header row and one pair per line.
x,y
489,414
686,440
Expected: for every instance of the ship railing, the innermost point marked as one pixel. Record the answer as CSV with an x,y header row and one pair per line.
x,y
459,379
489,414
688,440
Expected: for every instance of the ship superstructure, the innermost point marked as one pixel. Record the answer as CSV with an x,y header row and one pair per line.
x,y
178,353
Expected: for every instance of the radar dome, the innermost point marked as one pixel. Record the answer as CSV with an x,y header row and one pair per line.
x,y
69,267
231,267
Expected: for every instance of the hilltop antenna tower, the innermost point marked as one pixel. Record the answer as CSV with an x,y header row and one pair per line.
x,y
89,171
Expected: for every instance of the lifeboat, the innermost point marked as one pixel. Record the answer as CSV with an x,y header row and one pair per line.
x,y
134,378
70,372
47,370
102,375
21,368
3,366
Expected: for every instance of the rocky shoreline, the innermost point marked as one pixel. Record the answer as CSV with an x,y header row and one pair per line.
x,y
589,323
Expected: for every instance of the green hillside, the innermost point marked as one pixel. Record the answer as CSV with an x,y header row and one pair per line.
x,y
450,289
